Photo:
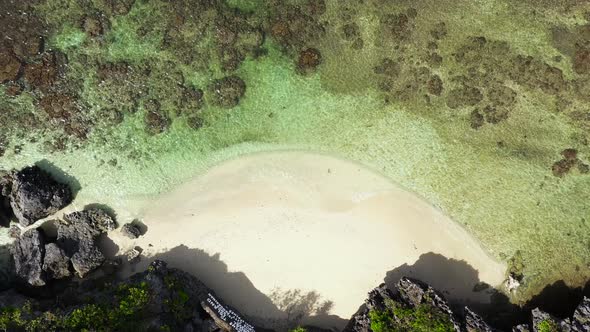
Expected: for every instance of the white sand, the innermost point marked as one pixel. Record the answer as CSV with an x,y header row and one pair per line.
x,y
294,220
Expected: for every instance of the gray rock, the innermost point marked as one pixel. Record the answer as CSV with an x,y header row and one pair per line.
x,y
131,231
581,319
56,264
134,255
411,291
96,219
521,328
28,253
77,235
34,195
86,260
474,323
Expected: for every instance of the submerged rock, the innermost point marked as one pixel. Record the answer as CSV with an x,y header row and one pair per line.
x,y
35,195
77,235
228,91
28,253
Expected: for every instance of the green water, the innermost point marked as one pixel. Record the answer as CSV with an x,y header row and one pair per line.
x,y
496,180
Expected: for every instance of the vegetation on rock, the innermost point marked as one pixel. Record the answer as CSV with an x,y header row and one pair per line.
x,y
398,318
124,314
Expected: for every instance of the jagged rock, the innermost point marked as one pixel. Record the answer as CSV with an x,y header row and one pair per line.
x,y
77,234
474,323
97,219
378,297
409,287
581,319
34,195
28,252
131,231
133,255
411,291
56,264
521,328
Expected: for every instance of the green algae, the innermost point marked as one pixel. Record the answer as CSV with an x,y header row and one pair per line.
x,y
495,181
68,37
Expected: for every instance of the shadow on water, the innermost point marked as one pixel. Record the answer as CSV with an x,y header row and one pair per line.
x,y
60,175
289,309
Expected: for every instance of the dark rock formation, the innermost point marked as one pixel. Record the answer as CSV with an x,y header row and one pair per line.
x,y
75,247
77,234
156,298
28,253
56,263
131,231
410,294
34,195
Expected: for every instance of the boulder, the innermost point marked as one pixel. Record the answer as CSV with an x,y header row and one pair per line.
x,y
77,235
134,255
56,263
34,195
131,231
28,253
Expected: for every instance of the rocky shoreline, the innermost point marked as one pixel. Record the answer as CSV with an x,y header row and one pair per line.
x,y
62,281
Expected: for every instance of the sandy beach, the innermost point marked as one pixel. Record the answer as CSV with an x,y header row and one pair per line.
x,y
271,231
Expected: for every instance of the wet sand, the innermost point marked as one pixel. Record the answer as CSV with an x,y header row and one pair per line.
x,y
301,221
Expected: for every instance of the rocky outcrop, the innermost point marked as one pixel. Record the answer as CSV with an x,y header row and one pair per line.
x,y
411,294
157,299
408,293
77,235
34,194
28,253
75,248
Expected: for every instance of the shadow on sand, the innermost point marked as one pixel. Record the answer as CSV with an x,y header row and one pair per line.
x,y
290,308
286,309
